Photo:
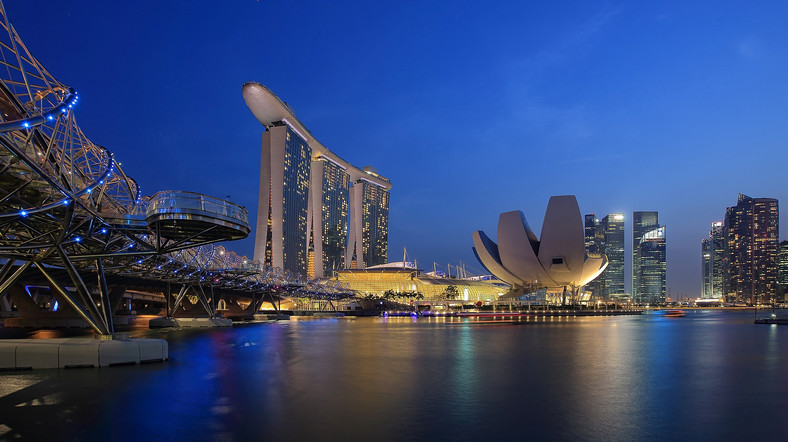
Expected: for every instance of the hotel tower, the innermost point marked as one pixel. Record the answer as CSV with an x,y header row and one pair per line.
x,y
316,212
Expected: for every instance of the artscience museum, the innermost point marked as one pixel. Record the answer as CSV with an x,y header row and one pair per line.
x,y
556,260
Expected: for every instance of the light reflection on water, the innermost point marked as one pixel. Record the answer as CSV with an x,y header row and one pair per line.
x,y
710,375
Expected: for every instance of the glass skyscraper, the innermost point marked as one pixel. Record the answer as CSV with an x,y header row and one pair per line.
x,y
330,222
613,247
316,211
295,193
594,236
712,262
751,228
651,271
782,270
375,222
642,223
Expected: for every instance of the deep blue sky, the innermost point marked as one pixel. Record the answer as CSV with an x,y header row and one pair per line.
x,y
470,108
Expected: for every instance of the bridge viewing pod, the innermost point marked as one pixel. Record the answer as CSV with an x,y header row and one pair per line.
x,y
70,216
179,215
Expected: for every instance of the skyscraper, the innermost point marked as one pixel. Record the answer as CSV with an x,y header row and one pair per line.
x,y
316,211
642,223
613,246
782,270
594,236
712,262
751,228
651,271
281,234
369,233
329,214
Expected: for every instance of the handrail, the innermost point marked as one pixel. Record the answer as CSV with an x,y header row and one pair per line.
x,y
165,201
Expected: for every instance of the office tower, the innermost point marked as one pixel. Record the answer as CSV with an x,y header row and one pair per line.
x,y
652,268
712,262
642,223
591,225
317,212
782,270
594,237
613,246
751,228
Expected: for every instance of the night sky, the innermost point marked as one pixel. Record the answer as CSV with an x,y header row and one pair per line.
x,y
470,108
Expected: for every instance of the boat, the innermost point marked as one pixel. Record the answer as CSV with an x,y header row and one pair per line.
x,y
675,313
781,321
773,316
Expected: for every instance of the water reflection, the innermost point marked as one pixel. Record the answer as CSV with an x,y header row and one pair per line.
x,y
710,375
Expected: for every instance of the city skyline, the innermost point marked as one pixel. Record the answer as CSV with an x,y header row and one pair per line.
x,y
648,103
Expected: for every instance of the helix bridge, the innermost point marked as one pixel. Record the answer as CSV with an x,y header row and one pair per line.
x,y
71,215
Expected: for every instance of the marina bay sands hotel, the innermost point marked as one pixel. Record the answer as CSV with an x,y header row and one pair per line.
x,y
316,212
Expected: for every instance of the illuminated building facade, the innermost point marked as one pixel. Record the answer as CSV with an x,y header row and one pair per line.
x,y
594,238
751,228
642,223
329,215
782,270
712,262
316,212
376,281
375,223
284,190
652,269
613,246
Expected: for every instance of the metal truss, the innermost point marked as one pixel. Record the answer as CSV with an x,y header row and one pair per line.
x,y
66,204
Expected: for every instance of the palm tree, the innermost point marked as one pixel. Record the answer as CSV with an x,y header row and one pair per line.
x,y
451,292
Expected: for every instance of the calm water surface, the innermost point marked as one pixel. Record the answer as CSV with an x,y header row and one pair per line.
x,y
712,375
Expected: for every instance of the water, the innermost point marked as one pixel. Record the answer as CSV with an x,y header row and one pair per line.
x,y
712,375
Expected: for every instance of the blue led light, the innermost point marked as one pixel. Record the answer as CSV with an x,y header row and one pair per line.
x,y
89,190
50,117
23,213
103,230
65,202
77,239
26,124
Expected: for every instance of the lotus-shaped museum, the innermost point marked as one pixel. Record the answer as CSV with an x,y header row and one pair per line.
x,y
557,260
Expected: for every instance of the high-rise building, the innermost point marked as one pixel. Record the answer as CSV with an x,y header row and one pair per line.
x,y
376,224
613,246
317,212
651,271
642,223
329,214
591,226
712,262
593,236
751,228
782,271
281,234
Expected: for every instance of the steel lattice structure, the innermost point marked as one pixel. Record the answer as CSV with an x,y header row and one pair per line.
x,y
65,203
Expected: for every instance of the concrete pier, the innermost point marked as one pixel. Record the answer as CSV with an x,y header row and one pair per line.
x,y
25,354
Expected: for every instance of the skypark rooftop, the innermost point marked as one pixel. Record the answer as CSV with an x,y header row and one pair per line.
x,y
271,111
